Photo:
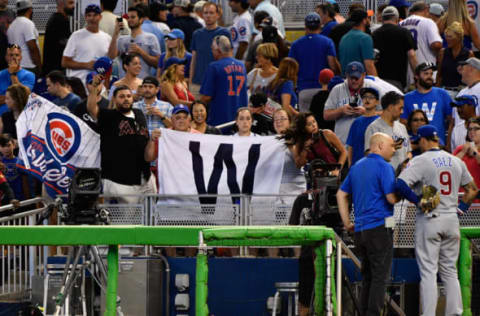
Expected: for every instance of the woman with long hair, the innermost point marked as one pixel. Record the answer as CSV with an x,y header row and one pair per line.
x,y
282,87
173,86
259,78
199,119
448,58
16,98
175,48
132,66
310,143
458,12
416,119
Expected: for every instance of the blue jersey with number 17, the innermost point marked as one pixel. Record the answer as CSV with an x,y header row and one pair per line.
x,y
225,83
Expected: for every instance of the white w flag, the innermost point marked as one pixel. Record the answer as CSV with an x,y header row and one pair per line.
x,y
53,142
211,164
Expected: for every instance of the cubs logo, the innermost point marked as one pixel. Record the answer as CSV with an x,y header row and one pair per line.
x,y
472,7
63,136
234,34
243,31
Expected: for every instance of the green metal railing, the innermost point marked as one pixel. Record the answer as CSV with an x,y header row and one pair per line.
x,y
465,266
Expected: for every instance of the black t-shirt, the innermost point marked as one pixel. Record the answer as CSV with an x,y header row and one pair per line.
x,y
122,146
9,121
393,42
57,33
82,113
188,25
338,31
316,107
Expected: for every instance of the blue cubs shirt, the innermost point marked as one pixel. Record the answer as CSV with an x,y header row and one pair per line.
x,y
225,82
356,136
311,52
436,104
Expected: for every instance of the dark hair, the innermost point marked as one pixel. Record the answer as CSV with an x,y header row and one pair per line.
x,y
217,6
109,5
19,93
259,16
77,87
23,11
418,6
202,104
243,108
410,118
390,98
355,6
258,99
472,120
140,9
127,58
154,8
328,9
57,76
120,88
5,139
296,133
336,7
244,4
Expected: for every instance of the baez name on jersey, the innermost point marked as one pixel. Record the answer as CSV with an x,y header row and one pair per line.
x,y
233,68
442,162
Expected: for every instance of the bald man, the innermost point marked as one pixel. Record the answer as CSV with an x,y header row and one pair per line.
x,y
371,182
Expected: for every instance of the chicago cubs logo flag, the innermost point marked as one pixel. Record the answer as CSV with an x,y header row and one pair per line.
x,y
53,142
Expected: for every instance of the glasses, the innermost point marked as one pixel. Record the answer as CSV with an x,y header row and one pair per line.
x,y
281,119
474,129
369,97
419,120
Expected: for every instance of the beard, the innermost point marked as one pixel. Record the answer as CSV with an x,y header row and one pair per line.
x,y
124,109
425,84
69,11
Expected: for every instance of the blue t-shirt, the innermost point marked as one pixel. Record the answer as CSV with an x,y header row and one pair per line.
x,y
14,177
188,57
328,27
225,82
436,104
355,46
202,44
287,88
311,52
70,101
369,181
356,136
148,26
25,77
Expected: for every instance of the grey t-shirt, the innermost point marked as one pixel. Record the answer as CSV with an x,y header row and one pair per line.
x,y
441,170
146,41
397,131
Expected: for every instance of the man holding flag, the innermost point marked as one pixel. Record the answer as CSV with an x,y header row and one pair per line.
x,y
124,140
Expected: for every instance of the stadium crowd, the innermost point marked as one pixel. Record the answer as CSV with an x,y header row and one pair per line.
x,y
327,94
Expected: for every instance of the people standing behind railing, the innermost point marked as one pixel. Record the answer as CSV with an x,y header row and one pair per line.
x,y
199,119
17,180
124,141
448,58
16,98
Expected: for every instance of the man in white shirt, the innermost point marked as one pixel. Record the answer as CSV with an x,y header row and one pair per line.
x,y
425,34
23,32
272,10
241,29
109,20
86,45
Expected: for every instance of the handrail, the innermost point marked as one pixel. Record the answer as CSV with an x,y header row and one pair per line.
x,y
9,207
24,214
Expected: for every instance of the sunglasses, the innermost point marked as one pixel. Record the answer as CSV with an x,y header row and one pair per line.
x,y
419,120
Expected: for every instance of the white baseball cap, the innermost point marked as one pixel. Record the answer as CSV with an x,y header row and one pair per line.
x,y
23,4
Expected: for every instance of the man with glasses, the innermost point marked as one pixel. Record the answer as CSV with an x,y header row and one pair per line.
x,y
14,74
435,102
356,135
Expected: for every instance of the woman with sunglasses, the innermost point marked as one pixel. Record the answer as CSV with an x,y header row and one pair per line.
x,y
175,48
469,152
416,119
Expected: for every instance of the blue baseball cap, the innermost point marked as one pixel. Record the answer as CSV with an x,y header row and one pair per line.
x,y
180,108
175,34
427,131
369,90
93,8
465,99
355,69
399,3
103,65
336,80
90,76
312,20
175,61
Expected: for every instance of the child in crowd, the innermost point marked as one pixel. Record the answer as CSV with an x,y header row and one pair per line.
x,y
16,181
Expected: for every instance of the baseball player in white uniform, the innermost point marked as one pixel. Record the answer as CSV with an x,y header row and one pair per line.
x,y
437,233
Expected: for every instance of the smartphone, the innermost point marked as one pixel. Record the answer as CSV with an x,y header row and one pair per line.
x,y
119,19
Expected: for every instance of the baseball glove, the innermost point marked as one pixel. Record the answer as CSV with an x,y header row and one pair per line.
x,y
430,198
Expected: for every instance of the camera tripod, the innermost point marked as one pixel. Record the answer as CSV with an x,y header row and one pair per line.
x,y
75,267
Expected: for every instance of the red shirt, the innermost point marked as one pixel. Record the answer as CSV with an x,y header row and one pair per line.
x,y
472,165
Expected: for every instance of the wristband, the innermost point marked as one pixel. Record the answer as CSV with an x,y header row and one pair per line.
x,y
463,206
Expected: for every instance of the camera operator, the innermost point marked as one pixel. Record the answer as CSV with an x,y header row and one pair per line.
x,y
311,143
371,183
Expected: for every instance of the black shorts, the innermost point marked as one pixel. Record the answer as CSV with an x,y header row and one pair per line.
x,y
306,275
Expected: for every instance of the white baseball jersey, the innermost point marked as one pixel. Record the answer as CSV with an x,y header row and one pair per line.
x,y
340,95
459,132
441,170
241,31
473,9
